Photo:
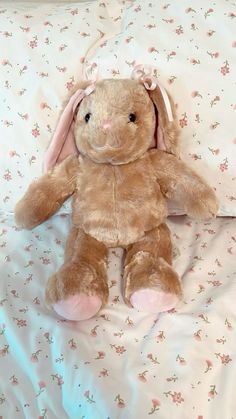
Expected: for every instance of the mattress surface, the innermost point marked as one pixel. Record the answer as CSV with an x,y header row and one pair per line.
x,y
122,363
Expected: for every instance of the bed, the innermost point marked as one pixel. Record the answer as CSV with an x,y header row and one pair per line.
x,y
122,363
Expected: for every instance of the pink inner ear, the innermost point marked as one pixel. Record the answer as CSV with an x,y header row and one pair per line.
x,y
158,137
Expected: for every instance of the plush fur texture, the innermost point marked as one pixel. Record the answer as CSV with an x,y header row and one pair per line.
x,y
119,190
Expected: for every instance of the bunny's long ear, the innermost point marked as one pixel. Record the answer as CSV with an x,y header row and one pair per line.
x,y
63,141
167,131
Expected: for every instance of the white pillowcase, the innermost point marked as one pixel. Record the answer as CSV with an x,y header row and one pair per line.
x,y
41,58
193,46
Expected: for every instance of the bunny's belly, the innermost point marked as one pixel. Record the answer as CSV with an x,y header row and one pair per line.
x,y
118,204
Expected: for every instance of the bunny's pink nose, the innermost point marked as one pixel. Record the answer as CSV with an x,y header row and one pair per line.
x,y
106,123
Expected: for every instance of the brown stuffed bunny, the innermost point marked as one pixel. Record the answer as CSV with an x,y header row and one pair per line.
x,y
119,186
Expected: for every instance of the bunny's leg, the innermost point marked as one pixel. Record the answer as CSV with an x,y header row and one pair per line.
x,y
150,282
79,289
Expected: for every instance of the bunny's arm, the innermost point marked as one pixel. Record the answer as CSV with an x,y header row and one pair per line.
x,y
181,184
46,194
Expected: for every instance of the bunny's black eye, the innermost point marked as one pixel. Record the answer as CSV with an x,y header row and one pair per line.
x,y
87,117
132,117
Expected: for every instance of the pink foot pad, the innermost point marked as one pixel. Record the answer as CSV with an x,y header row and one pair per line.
x,y
152,301
78,307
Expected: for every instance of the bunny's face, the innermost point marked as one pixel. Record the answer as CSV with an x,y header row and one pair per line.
x,y
115,124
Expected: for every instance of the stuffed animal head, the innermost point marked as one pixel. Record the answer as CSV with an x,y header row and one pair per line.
x,y
115,124
115,121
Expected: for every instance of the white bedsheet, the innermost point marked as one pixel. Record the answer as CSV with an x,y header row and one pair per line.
x,y
121,364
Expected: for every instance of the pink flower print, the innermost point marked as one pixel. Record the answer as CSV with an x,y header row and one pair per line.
x,y
101,355
129,322
138,9
153,359
214,151
155,406
180,360
215,100
168,20
174,378
210,32
208,366
72,344
8,123
20,322
5,62
225,359
171,55
103,373
150,26
234,44
189,9
177,398
58,378
115,72
42,74
23,70
25,29
74,12
120,350
3,328
195,93
224,165
208,12
212,393
14,380
35,131
44,413
152,49
116,299
62,47
221,340
142,376
228,324
47,337
44,105
24,116
93,331
32,160
225,69
34,43
34,357
7,34
179,30
41,384
120,402
7,176
197,335
4,351
172,79
195,61
183,122
213,54
89,397
214,125
70,84
47,23
129,39
204,318
160,337
231,15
